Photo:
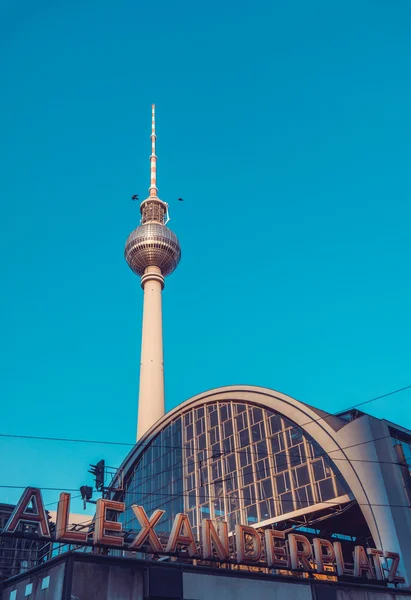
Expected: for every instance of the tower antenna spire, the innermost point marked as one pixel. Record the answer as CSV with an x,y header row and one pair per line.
x,y
153,157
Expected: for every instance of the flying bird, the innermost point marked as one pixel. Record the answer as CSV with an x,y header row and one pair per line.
x,y
135,197
180,200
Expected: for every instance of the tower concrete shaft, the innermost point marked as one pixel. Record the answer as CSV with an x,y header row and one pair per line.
x,y
151,406
153,252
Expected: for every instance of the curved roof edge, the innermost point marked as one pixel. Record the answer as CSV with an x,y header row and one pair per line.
x,y
327,430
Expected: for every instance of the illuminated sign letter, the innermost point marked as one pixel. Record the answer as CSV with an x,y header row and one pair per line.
x,y
277,556
181,534
299,556
63,513
37,517
102,524
147,533
321,558
392,575
361,563
339,559
254,555
217,538
375,555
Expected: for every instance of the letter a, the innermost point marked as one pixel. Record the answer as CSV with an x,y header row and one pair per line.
x,y
37,517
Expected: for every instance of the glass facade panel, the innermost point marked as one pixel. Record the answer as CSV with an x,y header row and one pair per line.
x,y
232,461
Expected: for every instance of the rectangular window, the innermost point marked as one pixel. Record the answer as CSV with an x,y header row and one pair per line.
x,y
318,470
275,424
219,507
189,448
190,482
192,499
214,435
279,482
228,444
215,451
241,421
287,502
294,456
248,494
200,426
218,488
281,461
260,449
225,412
262,469
256,433
190,465
266,510
301,500
214,419
277,443
310,496
192,517
244,438
303,477
204,475
296,436
251,512
189,433
202,441
287,480
247,473
230,463
326,489
287,436
265,489
256,415
216,469
228,428
231,482
245,456
232,503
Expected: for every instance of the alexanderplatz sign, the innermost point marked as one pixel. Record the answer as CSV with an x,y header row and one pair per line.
x,y
272,549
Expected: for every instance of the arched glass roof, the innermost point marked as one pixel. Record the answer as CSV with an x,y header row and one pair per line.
x,y
233,461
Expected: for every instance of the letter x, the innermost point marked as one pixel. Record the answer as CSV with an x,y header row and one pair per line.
x,y
147,529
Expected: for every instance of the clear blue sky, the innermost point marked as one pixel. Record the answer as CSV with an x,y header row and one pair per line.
x,y
285,126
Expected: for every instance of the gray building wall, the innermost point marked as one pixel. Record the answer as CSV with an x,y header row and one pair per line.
x,y
90,577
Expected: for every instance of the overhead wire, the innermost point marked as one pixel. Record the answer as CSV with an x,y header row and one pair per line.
x,y
234,496
288,464
113,443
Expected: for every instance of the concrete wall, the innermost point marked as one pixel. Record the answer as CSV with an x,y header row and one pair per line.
x,y
52,577
87,577
105,582
211,587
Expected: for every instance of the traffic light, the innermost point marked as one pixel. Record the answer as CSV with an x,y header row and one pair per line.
x,y
98,470
86,492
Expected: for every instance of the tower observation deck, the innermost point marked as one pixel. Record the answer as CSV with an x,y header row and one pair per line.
x,y
152,251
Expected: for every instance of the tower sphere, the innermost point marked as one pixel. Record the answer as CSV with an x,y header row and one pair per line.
x,y
152,245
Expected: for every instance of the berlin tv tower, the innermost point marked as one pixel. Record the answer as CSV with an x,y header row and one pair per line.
x,y
153,252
